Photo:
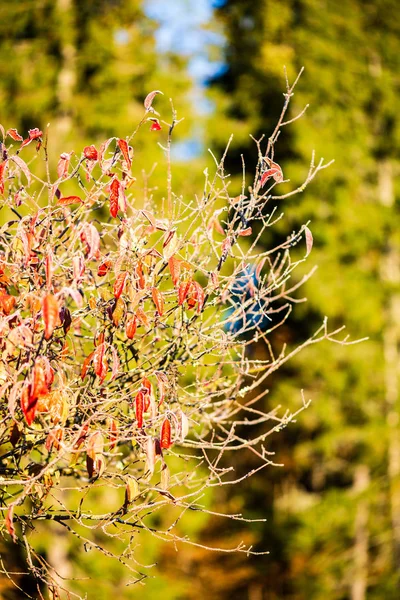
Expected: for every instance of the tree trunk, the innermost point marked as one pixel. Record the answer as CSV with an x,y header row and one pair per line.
x,y
360,551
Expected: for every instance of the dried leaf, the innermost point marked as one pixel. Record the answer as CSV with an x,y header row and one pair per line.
x,y
131,490
50,315
22,166
151,454
13,133
162,381
309,240
85,366
174,265
9,522
158,300
63,164
148,101
142,317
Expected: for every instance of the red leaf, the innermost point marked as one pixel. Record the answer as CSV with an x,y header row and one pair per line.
x,y
139,407
166,434
274,171
28,406
13,133
174,265
155,125
67,200
148,101
99,362
114,196
90,153
104,268
50,315
120,284
183,291
85,366
39,385
131,328
9,522
158,300
125,151
33,134
2,170
199,295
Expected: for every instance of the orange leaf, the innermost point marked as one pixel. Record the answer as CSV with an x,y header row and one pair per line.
x,y
28,406
183,291
67,200
142,317
104,268
125,151
9,521
174,265
99,362
158,300
13,133
50,315
131,328
114,195
166,434
139,407
120,284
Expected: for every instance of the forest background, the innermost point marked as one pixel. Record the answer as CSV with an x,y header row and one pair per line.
x,y
333,509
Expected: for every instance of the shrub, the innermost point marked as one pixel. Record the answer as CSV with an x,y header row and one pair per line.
x,y
126,336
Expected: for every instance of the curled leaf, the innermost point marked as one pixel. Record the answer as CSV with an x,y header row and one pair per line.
x,y
90,153
148,101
